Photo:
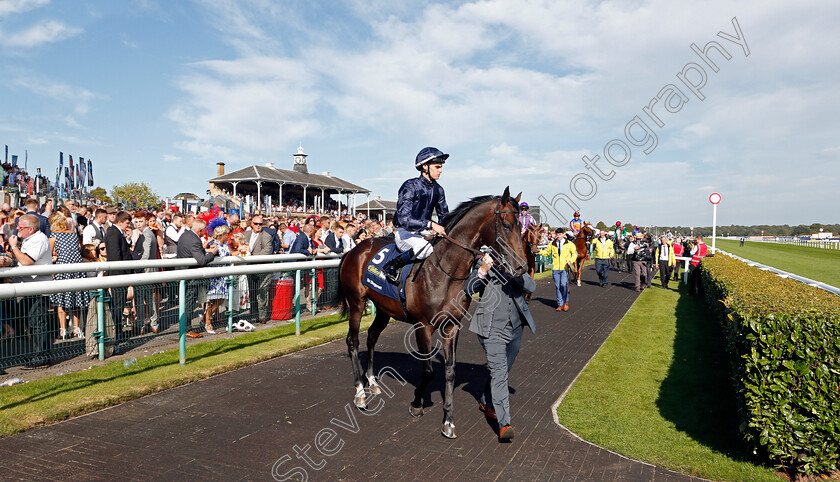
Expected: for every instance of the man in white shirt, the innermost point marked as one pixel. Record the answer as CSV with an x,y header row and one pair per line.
x,y
172,234
347,239
94,233
32,247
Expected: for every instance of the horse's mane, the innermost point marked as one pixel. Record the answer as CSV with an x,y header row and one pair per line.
x,y
458,213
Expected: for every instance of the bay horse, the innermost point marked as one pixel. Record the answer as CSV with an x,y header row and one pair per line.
x,y
435,298
531,241
583,235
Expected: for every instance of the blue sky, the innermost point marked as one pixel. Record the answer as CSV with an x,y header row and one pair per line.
x,y
516,91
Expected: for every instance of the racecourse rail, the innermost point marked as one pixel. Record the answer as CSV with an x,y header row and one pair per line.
x,y
226,267
785,274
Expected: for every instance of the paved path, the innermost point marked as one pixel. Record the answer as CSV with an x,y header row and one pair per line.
x,y
250,422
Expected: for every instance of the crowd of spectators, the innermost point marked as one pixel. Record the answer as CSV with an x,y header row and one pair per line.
x,y
71,233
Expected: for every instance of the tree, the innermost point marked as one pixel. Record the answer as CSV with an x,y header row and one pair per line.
x,y
135,195
101,195
601,225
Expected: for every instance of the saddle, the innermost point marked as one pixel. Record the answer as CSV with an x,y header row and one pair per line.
x,y
374,277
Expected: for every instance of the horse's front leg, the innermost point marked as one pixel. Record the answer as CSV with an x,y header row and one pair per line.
x,y
450,343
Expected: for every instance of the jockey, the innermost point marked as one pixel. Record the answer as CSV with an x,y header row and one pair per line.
x,y
576,224
413,219
525,219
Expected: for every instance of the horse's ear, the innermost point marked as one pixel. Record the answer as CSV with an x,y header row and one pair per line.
x,y
506,196
518,197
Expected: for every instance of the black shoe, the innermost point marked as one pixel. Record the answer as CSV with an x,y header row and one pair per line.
x,y
391,270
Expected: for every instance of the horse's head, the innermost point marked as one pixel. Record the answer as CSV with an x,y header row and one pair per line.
x,y
502,232
531,239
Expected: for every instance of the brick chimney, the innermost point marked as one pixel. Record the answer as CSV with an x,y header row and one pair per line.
x,y
220,169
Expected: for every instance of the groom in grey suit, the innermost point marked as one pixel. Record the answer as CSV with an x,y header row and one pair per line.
x,y
498,323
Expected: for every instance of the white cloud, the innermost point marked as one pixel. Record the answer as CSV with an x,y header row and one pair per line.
x,y
8,7
48,31
170,158
80,98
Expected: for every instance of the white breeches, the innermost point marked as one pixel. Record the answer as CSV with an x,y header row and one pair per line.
x,y
407,240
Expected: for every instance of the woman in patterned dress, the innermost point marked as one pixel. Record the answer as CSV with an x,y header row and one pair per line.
x,y
66,249
218,290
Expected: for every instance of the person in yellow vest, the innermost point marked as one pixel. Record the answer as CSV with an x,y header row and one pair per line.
x,y
664,256
604,251
563,253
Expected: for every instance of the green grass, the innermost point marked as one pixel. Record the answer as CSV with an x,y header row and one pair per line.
x,y
815,263
49,400
658,391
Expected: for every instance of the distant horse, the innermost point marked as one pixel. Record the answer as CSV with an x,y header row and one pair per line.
x,y
583,235
531,241
435,298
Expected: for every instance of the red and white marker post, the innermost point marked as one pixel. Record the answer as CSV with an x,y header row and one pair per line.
x,y
714,198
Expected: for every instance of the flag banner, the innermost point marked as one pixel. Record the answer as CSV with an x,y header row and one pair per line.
x,y
7,154
66,179
60,168
90,174
70,174
83,168
78,176
14,160
25,159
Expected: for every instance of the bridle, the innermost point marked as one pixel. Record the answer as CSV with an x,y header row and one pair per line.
x,y
475,252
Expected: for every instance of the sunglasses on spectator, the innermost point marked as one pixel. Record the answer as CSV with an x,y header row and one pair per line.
x,y
257,224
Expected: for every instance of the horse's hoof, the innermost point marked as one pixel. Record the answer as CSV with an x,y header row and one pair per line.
x,y
361,402
415,412
375,390
578,283
448,430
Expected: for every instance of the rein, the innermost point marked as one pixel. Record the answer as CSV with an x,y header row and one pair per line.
x,y
474,252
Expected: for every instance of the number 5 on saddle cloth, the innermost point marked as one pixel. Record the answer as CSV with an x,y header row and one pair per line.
x,y
374,277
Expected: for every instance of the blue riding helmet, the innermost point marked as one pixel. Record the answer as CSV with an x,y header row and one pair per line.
x,y
429,155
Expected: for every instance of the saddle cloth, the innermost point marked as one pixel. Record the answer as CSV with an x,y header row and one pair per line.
x,y
374,277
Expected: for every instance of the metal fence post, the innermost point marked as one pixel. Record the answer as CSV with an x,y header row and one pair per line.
x,y
297,302
100,321
312,283
182,321
231,282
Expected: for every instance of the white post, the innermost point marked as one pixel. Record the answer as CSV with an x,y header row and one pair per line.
x,y
714,227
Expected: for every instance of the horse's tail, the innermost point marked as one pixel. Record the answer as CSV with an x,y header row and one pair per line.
x,y
345,309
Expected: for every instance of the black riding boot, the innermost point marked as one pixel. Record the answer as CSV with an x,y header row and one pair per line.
x,y
391,268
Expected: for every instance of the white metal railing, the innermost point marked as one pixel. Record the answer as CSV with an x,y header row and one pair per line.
x,y
12,290
785,274
49,269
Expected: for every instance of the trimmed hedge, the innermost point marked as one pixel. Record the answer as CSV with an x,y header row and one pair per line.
x,y
784,340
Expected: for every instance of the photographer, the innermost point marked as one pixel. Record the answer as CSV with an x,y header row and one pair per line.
x,y
639,252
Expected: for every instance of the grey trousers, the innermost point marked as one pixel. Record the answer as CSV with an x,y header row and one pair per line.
x,y
501,347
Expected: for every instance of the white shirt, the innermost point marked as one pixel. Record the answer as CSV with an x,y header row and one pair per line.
x,y
347,242
90,231
38,248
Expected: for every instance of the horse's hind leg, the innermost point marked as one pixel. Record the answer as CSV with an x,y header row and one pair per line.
x,y
379,324
355,308
424,347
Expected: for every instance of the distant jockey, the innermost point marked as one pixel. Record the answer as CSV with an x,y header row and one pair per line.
x,y
575,225
417,198
525,219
